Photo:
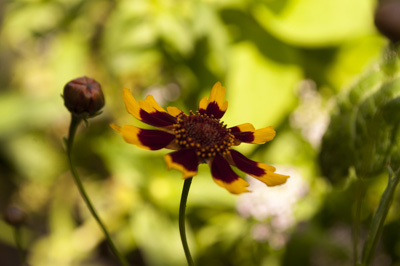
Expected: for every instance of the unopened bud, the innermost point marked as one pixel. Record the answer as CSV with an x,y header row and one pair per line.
x,y
14,216
387,19
83,97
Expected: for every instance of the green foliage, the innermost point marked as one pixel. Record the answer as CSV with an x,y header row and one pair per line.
x,y
364,128
283,64
380,217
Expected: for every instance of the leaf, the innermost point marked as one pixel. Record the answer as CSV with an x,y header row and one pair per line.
x,y
364,128
316,22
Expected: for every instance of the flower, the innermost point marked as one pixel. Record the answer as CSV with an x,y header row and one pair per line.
x,y
83,97
200,137
14,216
387,19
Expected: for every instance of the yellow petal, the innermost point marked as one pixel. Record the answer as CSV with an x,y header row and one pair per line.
x,y
246,127
224,106
174,111
150,105
217,94
131,104
203,103
273,179
130,135
263,135
267,167
236,187
173,165
116,128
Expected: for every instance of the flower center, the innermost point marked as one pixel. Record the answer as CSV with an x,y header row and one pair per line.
x,y
207,135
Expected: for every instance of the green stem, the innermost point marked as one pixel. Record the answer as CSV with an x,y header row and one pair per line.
x,y
359,194
18,243
182,208
75,121
380,216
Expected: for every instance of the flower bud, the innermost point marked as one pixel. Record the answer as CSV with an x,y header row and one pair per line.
x,y
14,216
83,97
387,19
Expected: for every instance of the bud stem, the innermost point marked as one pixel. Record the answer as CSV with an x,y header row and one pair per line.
x,y
182,208
359,193
75,121
18,243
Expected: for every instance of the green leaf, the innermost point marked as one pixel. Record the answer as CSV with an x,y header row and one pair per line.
x,y
316,22
364,128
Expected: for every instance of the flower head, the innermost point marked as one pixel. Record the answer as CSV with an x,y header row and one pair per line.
x,y
83,97
387,19
200,137
14,216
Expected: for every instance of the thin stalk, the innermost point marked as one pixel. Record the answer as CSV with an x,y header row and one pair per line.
x,y
182,208
379,218
75,121
359,194
18,243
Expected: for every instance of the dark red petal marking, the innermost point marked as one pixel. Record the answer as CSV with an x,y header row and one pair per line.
x,y
242,136
155,139
186,158
220,169
246,165
202,111
157,118
213,110
235,129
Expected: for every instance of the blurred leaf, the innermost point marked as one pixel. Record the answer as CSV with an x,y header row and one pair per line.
x,y
351,59
259,90
317,22
252,47
244,27
159,237
364,129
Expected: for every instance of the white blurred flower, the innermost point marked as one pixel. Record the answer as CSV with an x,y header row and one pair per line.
x,y
273,207
312,114
164,94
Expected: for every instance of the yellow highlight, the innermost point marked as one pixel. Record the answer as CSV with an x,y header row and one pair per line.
x,y
173,165
263,135
236,187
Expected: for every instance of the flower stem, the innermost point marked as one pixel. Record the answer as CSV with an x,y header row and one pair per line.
x,y
182,208
359,195
18,243
75,121
380,216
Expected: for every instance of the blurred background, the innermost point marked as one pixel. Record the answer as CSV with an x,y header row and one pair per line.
x,y
283,63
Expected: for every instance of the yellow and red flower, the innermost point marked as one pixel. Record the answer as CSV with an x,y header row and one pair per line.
x,y
200,137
